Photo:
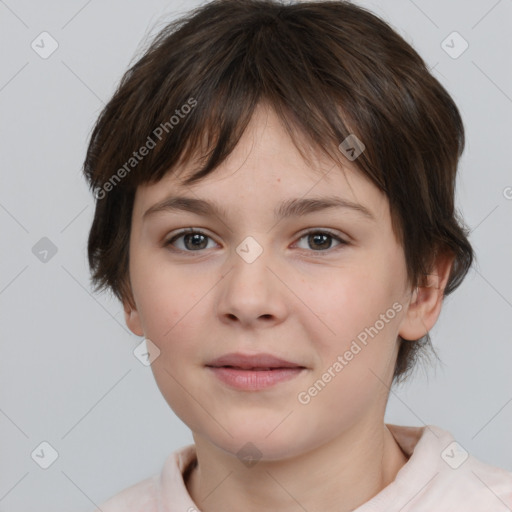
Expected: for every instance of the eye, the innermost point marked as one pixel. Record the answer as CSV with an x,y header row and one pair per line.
x,y
193,240
321,240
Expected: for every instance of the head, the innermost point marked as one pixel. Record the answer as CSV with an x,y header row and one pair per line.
x,y
250,105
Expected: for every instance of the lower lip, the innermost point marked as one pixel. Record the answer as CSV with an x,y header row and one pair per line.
x,y
253,380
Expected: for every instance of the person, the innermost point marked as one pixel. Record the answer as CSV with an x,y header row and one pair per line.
x,y
274,189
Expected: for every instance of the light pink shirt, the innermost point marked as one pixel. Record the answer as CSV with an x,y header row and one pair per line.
x,y
440,476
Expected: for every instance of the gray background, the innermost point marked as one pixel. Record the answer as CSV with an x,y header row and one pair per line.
x,y
67,372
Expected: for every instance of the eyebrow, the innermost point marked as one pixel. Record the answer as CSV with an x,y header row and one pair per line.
x,y
289,208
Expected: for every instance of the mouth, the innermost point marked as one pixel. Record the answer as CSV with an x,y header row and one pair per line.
x,y
253,372
254,369
253,362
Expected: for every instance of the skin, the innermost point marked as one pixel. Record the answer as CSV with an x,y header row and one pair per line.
x,y
298,301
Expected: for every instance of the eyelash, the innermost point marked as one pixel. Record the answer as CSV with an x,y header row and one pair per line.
x,y
303,235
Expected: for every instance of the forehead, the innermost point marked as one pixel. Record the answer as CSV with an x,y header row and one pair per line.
x,y
264,169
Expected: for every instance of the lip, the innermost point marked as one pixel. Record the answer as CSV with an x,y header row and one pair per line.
x,y
248,361
253,372
254,380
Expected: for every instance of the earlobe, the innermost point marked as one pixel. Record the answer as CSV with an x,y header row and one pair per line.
x,y
132,319
426,301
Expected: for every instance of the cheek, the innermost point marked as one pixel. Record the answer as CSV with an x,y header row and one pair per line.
x,y
168,301
172,313
345,301
357,318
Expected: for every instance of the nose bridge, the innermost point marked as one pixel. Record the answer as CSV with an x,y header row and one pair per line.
x,y
250,290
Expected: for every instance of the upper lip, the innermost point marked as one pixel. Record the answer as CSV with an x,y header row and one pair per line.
x,y
246,361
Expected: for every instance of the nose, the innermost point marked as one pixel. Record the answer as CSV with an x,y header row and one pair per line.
x,y
252,292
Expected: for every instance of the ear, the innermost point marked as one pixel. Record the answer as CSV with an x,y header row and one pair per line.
x,y
427,300
132,318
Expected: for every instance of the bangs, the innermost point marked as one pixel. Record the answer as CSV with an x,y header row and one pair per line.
x,y
191,99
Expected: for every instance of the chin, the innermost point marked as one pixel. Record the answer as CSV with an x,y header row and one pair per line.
x,y
260,441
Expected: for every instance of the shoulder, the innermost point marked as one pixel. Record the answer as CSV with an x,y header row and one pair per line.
x,y
476,485
442,475
140,497
147,495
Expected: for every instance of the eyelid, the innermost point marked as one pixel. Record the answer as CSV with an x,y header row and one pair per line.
x,y
186,231
328,231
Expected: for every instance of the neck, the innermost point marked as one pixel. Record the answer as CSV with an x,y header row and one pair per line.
x,y
338,476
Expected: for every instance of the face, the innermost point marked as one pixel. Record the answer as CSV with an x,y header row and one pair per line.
x,y
325,290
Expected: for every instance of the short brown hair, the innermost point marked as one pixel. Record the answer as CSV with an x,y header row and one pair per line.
x,y
329,69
